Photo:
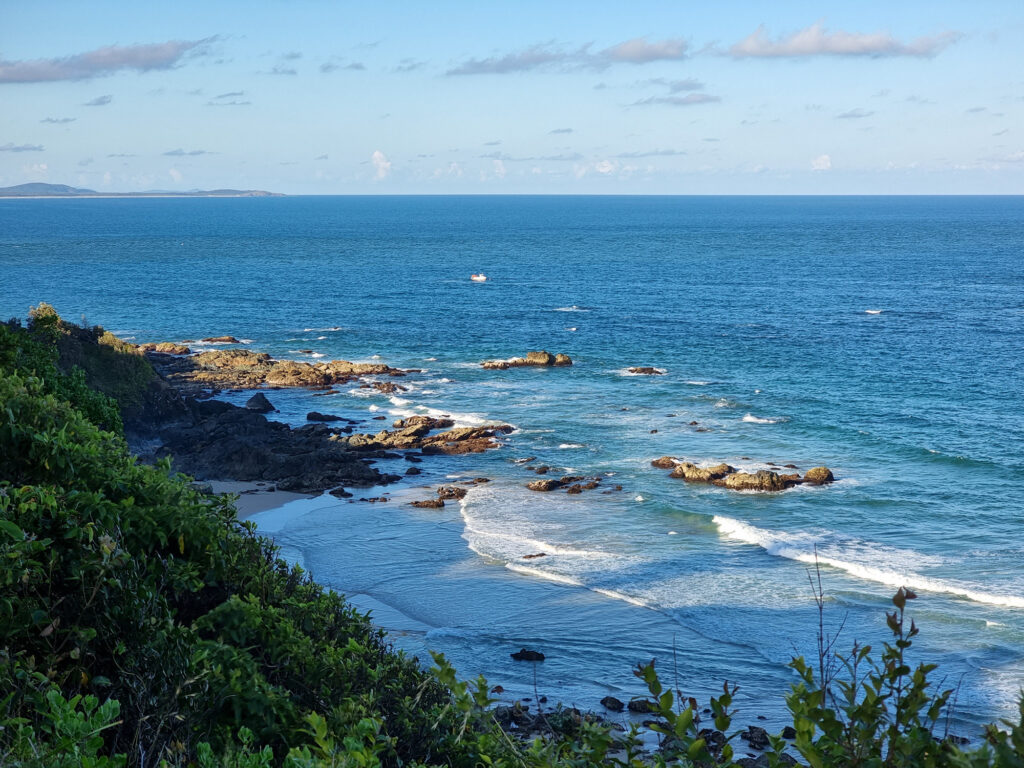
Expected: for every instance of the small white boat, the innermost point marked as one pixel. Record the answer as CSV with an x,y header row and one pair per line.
x,y
481,278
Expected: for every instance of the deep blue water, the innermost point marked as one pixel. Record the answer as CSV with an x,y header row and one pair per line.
x,y
756,308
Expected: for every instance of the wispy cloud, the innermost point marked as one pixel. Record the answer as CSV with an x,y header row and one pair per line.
x,y
183,153
560,130
230,95
676,86
639,50
333,66
688,100
280,70
121,154
22,147
321,157
99,101
103,61
409,65
815,40
821,163
565,157
292,56
58,120
855,114
229,99
652,153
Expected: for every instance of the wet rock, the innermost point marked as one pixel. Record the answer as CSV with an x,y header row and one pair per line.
x,y
221,340
429,422
527,460
428,503
317,416
612,704
524,654
341,493
451,492
259,403
641,706
547,484
789,732
413,471
756,737
713,738
541,470
539,359
533,557
762,480
413,458
819,476
691,473
646,370
205,488
576,488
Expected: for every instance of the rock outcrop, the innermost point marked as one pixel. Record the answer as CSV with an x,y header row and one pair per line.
x,y
166,348
243,369
646,370
726,476
259,403
217,440
453,442
533,359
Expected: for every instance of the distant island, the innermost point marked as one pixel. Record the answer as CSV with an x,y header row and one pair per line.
x,y
62,190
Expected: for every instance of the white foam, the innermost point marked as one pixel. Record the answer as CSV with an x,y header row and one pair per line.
x,y
639,498
622,596
723,403
374,407
696,383
873,311
571,445
399,401
430,359
673,533
375,357
802,548
541,574
571,329
752,419
317,354
320,338
573,308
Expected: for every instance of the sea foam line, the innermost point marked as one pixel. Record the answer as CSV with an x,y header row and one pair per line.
x,y
778,545
752,419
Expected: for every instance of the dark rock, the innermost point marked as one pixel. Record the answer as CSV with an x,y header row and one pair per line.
x,y
221,340
412,458
612,704
575,488
317,416
789,732
527,460
205,488
536,359
451,492
541,470
379,418
641,706
413,471
654,431
647,370
756,737
341,493
531,557
524,654
790,466
423,421
714,739
259,403
428,504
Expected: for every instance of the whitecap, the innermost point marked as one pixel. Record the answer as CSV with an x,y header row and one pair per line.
x,y
571,329
320,338
752,419
317,354
696,383
573,308
723,403
806,548
571,445
639,498
873,311
375,357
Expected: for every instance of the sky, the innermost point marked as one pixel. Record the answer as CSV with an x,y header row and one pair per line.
x,y
552,97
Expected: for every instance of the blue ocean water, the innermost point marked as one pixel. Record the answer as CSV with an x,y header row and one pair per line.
x,y
880,336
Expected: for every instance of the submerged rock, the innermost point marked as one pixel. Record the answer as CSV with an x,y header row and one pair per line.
x,y
646,370
220,340
317,416
524,654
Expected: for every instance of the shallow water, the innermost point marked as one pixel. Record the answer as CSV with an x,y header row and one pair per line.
x,y
878,336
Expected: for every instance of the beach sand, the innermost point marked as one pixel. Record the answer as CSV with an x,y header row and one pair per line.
x,y
256,497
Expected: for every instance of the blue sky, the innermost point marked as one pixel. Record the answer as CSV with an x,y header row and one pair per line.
x,y
526,97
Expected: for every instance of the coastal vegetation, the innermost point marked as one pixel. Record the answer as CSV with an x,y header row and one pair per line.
x,y
143,624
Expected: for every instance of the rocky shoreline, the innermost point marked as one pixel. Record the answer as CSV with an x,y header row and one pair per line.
x,y
212,439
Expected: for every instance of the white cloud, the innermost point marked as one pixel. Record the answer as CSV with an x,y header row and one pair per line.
x,y
499,169
175,174
821,163
604,167
815,40
638,50
381,164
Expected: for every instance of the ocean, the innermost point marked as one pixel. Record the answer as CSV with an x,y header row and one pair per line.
x,y
880,336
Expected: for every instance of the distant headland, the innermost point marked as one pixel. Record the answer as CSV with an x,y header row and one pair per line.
x,y
62,190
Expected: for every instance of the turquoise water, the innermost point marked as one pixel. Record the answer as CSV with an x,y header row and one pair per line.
x,y
883,337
